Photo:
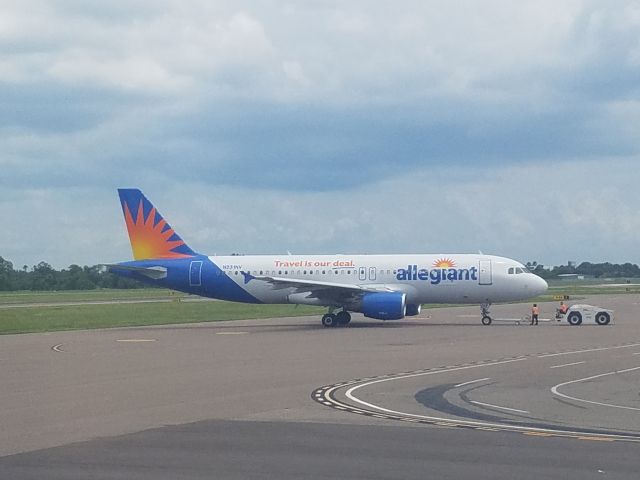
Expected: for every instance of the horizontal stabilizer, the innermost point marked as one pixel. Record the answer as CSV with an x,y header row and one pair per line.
x,y
155,273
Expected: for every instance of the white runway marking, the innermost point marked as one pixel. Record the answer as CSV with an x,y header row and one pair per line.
x,y
136,340
588,350
349,393
231,333
498,407
57,348
555,391
567,364
416,418
471,381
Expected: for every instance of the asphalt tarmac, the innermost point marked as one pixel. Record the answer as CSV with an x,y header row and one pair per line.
x,y
436,396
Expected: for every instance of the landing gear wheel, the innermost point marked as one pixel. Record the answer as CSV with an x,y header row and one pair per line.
x,y
343,317
574,318
485,312
602,318
329,320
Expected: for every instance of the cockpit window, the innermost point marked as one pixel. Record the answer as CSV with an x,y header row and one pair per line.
x,y
521,270
518,270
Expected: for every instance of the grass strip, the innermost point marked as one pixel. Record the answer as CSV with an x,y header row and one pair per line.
x,y
14,298
81,317
108,316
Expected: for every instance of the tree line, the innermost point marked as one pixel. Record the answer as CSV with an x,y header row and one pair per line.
x,y
596,270
44,277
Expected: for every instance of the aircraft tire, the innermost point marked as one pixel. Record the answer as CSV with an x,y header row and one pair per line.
x,y
603,318
343,317
486,320
574,318
329,320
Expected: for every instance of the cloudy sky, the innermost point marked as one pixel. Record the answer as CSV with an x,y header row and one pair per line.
x,y
322,126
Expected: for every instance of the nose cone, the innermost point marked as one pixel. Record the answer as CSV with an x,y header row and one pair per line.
x,y
539,285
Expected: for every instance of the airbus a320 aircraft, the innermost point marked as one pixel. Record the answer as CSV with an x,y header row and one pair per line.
x,y
385,287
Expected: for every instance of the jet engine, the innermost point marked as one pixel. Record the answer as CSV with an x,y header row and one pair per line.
x,y
384,305
413,309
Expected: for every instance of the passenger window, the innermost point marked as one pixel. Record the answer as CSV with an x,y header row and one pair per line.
x,y
324,272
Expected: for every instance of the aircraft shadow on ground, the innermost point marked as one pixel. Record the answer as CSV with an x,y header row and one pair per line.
x,y
310,326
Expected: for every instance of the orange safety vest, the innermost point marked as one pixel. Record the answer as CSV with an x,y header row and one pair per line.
x,y
535,310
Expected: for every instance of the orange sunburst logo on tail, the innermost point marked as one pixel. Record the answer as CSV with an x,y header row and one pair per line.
x,y
444,263
150,239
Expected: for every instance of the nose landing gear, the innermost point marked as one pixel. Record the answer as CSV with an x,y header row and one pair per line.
x,y
486,314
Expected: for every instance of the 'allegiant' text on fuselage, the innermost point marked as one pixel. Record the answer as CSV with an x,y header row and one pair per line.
x,y
437,275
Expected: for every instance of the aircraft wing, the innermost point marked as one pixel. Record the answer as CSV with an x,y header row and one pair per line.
x,y
322,290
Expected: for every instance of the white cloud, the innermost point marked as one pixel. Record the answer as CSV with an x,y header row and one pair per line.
x,y
323,126
545,212
358,49
128,73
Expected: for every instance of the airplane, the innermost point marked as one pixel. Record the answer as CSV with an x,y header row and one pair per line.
x,y
384,287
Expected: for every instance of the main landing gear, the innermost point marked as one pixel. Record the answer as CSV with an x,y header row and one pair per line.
x,y
334,319
486,314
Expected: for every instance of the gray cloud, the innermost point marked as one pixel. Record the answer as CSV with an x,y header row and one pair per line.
x,y
320,107
549,212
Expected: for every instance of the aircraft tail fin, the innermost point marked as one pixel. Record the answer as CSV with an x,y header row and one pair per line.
x,y
150,235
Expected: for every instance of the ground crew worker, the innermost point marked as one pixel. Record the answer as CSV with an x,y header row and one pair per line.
x,y
535,311
562,310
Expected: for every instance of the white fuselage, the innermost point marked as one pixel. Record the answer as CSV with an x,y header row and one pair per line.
x,y
424,278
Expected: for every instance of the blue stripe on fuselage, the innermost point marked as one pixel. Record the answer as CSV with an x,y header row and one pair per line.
x,y
214,283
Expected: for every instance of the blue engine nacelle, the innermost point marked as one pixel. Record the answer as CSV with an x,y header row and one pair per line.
x,y
413,309
384,305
